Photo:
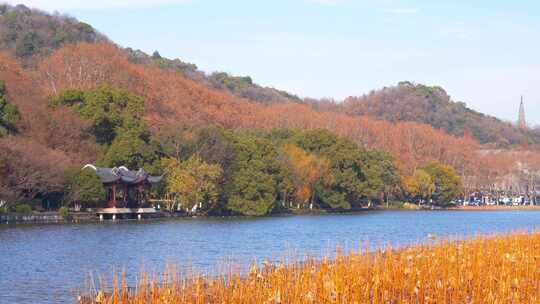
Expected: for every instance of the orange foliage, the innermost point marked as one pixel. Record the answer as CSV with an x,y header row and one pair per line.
x,y
307,169
27,167
494,168
58,129
22,90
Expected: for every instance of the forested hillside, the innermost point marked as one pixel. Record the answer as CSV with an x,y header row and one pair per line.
x,y
88,102
26,33
432,105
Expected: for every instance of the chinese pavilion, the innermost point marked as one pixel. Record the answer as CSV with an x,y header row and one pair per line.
x,y
126,190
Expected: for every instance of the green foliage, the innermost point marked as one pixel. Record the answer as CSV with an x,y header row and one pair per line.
x,y
332,197
9,114
231,82
109,110
253,193
23,209
83,186
115,117
446,180
382,177
253,189
131,152
317,141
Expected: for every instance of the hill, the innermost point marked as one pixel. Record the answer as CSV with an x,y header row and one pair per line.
x,y
432,105
28,33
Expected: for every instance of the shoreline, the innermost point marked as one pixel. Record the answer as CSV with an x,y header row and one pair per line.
x,y
87,217
495,208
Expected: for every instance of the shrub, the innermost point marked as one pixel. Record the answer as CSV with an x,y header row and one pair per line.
x,y
64,212
23,209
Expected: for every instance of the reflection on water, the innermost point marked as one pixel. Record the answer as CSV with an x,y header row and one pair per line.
x,y
48,263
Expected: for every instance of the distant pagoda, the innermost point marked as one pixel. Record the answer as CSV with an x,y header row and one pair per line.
x,y
522,123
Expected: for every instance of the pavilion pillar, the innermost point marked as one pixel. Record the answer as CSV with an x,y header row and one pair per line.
x,y
140,195
126,195
114,195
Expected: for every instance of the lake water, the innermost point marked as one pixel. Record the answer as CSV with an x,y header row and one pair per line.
x,y
49,263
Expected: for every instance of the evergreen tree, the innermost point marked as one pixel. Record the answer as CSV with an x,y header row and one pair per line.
x,y
83,186
446,180
9,115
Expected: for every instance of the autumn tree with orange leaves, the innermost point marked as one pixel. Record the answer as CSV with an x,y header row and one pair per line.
x,y
306,171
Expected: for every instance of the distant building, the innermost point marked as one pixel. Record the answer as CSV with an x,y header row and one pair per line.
x,y
522,123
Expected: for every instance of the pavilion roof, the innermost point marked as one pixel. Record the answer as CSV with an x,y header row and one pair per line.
x,y
124,175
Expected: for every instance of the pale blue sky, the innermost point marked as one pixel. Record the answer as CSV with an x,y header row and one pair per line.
x,y
485,53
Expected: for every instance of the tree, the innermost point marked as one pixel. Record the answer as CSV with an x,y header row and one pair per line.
x,y
115,118
253,193
28,45
446,180
28,169
9,114
351,181
192,182
110,111
156,55
419,186
253,187
213,144
382,177
175,140
131,152
359,175
306,171
83,186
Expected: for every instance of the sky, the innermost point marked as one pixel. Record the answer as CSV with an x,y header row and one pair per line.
x,y
484,53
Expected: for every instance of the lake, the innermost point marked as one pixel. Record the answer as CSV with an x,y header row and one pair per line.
x,y
49,263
